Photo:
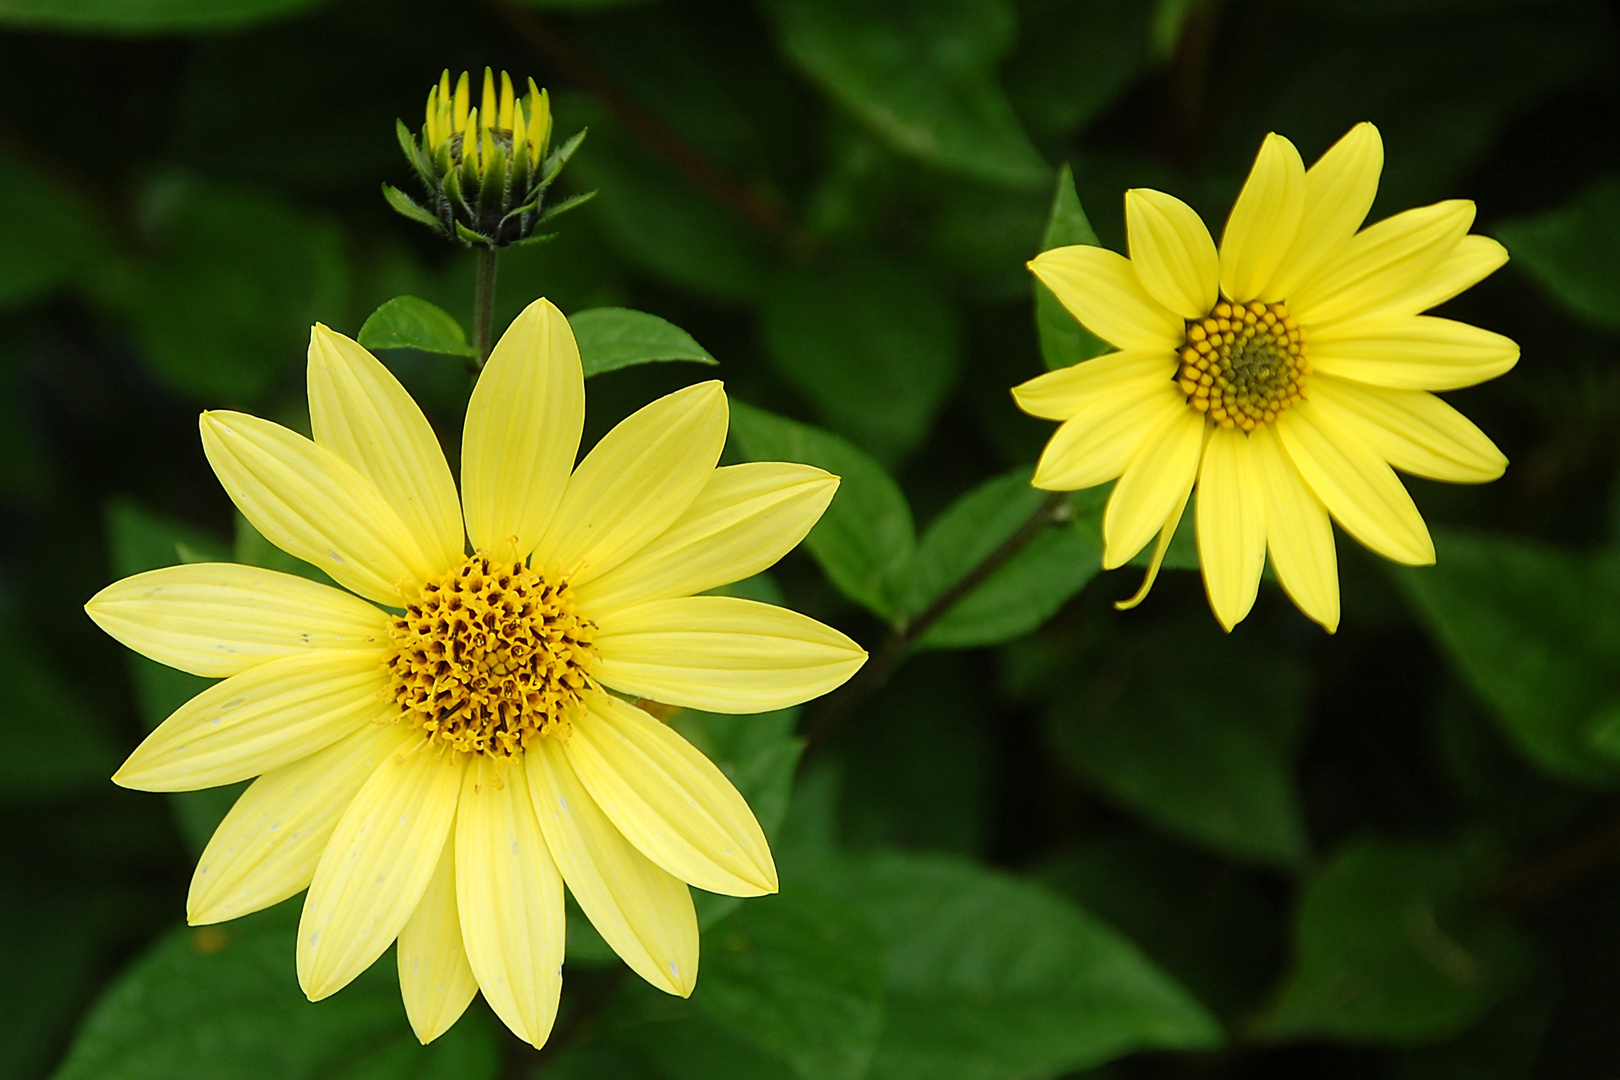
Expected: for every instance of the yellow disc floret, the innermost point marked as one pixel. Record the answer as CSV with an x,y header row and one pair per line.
x,y
1242,364
490,657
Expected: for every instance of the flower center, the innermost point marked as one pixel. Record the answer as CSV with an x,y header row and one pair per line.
x,y
490,657
1243,363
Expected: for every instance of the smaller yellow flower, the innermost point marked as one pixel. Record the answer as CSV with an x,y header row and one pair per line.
x,y
437,749
1281,376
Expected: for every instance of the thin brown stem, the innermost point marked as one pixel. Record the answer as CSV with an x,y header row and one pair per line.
x,y
1532,883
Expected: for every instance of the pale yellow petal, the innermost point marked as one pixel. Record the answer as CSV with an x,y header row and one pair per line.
x,y
1417,352
1358,489
216,619
1411,429
376,866
642,911
360,412
435,979
1064,393
1339,190
266,717
1231,525
266,848
1298,532
1172,252
510,897
670,801
1381,263
1102,290
1154,484
722,654
1473,260
635,483
1103,438
1263,222
312,504
744,520
522,432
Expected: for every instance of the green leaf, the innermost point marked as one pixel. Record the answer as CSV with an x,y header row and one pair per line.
x,y
1390,949
1213,768
614,337
865,539
406,322
1535,632
990,977
146,16
1064,341
1024,592
52,235
920,73
223,1002
871,344
1074,59
1574,252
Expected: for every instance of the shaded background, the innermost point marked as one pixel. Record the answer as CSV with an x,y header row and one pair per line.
x,y
1125,842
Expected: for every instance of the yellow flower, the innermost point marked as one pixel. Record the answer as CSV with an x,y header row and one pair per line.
x,y
436,772
1281,376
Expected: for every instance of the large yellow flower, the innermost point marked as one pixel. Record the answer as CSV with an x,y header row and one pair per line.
x,y
1281,376
436,772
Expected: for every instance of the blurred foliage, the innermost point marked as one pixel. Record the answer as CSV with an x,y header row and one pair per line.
x,y
1042,838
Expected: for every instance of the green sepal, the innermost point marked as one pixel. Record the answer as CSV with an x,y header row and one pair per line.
x,y
454,195
559,157
537,238
418,158
492,188
573,202
408,207
470,237
531,205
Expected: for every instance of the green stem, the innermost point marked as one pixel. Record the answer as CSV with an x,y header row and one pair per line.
x,y
484,304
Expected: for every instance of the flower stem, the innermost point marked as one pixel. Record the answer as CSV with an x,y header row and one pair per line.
x,y
836,707
483,305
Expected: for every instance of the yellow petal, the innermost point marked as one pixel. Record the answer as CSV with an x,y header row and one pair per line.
x,y
1172,252
1061,394
266,717
376,866
669,800
722,654
1231,526
1473,260
522,432
1358,489
636,482
312,504
435,979
1103,291
1339,190
1263,222
267,847
1103,438
1418,352
216,619
744,520
511,899
360,412
1298,532
645,913
1411,429
1380,263
1153,485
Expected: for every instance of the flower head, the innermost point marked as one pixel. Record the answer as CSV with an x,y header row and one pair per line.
x,y
1280,376
444,746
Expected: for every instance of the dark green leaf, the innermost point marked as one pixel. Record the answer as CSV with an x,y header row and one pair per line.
x,y
1064,341
1215,768
990,977
1024,592
406,322
865,539
872,345
223,1002
1574,252
1535,632
1389,949
1074,57
922,75
51,234
146,16
80,753
613,337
